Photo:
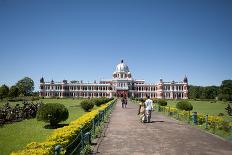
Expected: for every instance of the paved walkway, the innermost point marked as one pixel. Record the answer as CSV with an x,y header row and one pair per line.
x,y
125,135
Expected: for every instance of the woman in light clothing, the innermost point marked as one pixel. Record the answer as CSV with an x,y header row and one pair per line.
x,y
141,111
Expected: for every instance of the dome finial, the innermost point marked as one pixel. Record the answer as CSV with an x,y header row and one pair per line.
x,y
122,61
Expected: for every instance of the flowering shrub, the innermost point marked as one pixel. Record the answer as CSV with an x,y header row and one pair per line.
x,y
61,136
214,122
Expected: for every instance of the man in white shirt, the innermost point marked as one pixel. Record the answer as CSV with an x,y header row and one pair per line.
x,y
149,108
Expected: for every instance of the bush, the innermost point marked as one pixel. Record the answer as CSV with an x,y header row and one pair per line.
x,y
220,114
100,101
61,136
142,100
184,105
214,101
35,98
155,100
224,100
87,105
52,113
162,102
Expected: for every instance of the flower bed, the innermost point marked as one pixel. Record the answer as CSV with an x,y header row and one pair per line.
x,y
213,122
61,136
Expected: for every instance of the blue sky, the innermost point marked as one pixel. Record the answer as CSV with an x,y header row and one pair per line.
x,y
84,40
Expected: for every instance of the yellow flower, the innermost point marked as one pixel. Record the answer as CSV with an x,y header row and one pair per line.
x,y
62,136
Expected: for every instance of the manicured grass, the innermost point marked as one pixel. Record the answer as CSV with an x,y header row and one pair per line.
x,y
205,107
17,135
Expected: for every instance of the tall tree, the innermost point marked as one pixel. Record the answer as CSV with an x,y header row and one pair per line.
x,y
26,86
199,92
211,92
4,90
14,91
226,90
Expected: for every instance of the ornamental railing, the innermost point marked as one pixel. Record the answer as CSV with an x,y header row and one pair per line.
x,y
86,134
205,121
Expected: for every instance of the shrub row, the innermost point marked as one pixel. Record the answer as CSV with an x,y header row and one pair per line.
x,y
215,122
62,136
100,101
88,104
162,102
137,99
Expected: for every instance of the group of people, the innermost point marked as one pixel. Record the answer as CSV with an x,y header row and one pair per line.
x,y
145,109
124,102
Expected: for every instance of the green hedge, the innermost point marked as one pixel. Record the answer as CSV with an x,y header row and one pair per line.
x,y
184,105
52,113
162,102
100,101
87,105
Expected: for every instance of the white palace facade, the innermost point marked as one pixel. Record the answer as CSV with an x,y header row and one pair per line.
x,y
121,84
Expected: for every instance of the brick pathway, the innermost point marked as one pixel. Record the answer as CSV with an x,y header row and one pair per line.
x,y
125,135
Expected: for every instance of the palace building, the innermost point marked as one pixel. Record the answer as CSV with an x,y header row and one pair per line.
x,y
121,84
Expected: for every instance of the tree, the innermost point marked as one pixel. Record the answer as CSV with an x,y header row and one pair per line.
x,y
211,92
4,90
52,113
26,86
226,90
14,91
199,92
194,92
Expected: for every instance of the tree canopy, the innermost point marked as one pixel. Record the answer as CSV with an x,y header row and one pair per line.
x,y
199,92
4,90
225,91
26,86
13,92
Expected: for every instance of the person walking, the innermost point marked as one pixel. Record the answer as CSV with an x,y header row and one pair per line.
x,y
148,109
123,102
141,111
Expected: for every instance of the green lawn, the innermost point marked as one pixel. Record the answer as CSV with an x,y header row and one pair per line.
x,y
207,107
204,106
17,135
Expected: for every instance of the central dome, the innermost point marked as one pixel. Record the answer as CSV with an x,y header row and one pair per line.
x,y
122,67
